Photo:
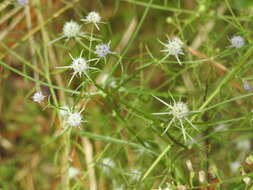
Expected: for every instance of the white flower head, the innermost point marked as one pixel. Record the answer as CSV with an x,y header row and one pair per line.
x,y
71,29
79,66
74,119
93,18
243,145
73,172
107,165
173,47
38,97
179,112
234,166
103,49
247,86
237,41
22,2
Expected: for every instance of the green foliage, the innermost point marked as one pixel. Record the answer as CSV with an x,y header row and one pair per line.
x,y
122,139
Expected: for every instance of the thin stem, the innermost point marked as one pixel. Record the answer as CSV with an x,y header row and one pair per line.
x,y
91,39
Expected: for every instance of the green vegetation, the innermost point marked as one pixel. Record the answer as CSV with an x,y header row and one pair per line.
x,y
126,94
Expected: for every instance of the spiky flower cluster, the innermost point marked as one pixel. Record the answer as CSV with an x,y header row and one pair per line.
x,y
71,29
71,118
103,49
74,119
79,66
173,47
237,42
93,18
179,112
38,97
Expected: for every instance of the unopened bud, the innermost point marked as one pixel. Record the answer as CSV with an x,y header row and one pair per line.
x,y
202,176
249,159
181,187
189,165
246,180
212,170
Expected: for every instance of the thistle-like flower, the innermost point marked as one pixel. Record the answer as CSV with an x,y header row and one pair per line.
x,y
71,118
74,119
237,41
173,47
80,66
179,112
22,2
38,97
71,29
103,49
93,18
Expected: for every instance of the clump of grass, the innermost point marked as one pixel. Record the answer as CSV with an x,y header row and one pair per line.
x,y
83,83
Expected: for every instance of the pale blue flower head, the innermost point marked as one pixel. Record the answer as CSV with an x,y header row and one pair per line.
x,y
22,2
237,42
103,49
